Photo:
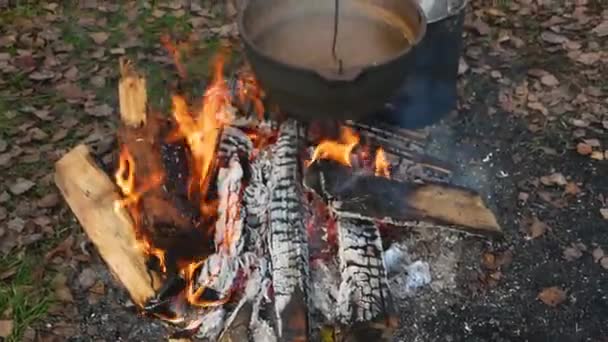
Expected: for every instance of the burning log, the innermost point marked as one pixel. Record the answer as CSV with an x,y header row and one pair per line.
x,y
92,195
288,240
404,204
364,296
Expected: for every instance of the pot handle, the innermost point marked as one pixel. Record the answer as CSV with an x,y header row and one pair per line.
x,y
345,75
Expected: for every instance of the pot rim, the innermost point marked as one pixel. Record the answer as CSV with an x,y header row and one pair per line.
x,y
349,74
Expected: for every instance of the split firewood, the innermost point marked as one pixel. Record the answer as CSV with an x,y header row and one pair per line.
x,y
404,204
92,195
132,95
364,298
288,239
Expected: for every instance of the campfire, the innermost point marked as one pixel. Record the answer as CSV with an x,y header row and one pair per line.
x,y
233,226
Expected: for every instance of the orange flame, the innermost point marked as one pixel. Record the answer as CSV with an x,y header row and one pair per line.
x,y
202,131
340,150
125,179
249,89
381,164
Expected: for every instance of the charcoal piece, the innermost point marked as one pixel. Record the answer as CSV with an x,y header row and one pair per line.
x,y
177,173
402,143
288,239
363,295
358,195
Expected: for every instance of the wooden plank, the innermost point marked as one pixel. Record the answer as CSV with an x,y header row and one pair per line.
x,y
92,195
364,196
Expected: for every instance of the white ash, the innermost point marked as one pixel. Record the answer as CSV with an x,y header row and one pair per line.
x,y
325,279
210,324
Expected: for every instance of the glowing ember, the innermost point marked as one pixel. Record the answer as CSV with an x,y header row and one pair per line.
x,y
381,164
340,150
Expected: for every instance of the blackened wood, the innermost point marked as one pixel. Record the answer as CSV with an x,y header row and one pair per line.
x,y
357,195
363,296
288,240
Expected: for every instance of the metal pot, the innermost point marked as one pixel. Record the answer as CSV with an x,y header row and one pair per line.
x,y
288,44
429,92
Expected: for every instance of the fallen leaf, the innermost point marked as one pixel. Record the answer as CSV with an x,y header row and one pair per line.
x,y
604,213
601,29
549,80
87,278
65,247
536,229
554,179
21,186
584,149
71,74
48,201
553,38
588,58
42,75
98,81
70,91
552,296
598,254
481,27
17,224
6,328
572,253
99,37
597,155
99,111
572,189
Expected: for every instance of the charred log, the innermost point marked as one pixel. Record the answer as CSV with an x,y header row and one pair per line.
x,y
363,295
362,196
288,240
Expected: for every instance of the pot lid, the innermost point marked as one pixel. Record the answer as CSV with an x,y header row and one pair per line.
x,y
436,10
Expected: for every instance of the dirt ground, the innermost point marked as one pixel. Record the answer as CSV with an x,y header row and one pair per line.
x,y
531,134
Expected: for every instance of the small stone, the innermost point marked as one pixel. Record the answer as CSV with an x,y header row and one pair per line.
x,y
584,149
17,224
597,254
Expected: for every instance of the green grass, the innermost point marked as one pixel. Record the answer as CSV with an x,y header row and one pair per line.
x,y
20,295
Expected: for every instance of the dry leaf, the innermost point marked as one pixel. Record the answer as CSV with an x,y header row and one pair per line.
x,y
553,38
604,213
598,254
584,149
572,189
588,58
21,186
42,75
604,263
601,29
554,179
99,111
549,80
87,278
536,229
6,328
552,296
597,155
572,253
99,37
48,201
